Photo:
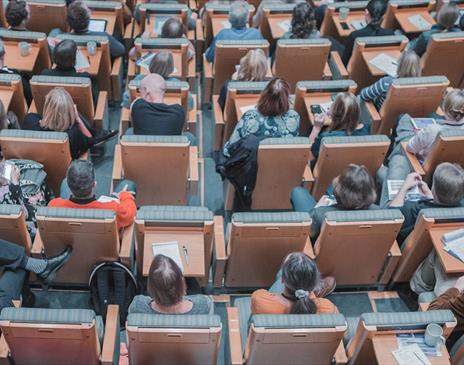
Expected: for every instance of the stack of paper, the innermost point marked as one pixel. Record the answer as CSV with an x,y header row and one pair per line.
x,y
169,249
358,24
82,62
394,187
386,63
419,22
411,355
285,25
159,22
454,243
145,60
406,339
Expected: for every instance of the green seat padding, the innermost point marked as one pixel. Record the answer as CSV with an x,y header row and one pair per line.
x,y
20,133
148,320
76,213
271,217
10,209
61,80
364,215
171,213
285,140
407,320
154,139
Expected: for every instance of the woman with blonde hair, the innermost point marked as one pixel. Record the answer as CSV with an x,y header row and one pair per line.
x,y
60,115
253,67
408,66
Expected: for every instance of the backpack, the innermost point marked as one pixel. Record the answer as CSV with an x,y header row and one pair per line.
x,y
112,283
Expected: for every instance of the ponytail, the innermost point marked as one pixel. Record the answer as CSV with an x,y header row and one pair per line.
x,y
303,303
376,9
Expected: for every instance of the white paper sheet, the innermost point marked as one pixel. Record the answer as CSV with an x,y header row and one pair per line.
x,y
245,108
358,24
406,339
386,63
159,22
394,187
421,123
285,25
169,249
326,106
411,355
97,25
82,62
456,248
419,22
453,235
107,199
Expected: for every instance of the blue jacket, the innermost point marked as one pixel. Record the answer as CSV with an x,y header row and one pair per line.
x,y
420,44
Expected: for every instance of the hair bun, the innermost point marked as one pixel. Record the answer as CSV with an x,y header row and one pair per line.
x,y
301,294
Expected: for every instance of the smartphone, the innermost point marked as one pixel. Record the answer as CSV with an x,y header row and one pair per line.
x,y
344,25
316,109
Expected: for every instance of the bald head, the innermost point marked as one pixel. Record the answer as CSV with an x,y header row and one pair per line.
x,y
152,88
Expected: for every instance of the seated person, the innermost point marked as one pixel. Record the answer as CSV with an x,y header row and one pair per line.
x,y
60,115
446,22
192,17
17,14
16,264
253,67
64,57
408,66
447,192
238,18
24,79
150,115
271,118
167,291
78,191
342,119
375,11
303,23
173,28
298,289
79,19
353,189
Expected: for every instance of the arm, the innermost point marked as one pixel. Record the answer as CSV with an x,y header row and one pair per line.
x,y
117,49
236,135
422,140
420,45
348,49
452,299
376,90
411,181
126,209
209,53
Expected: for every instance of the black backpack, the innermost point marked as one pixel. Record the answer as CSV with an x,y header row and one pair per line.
x,y
112,283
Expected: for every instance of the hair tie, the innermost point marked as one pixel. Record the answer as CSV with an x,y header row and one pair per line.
x,y
301,294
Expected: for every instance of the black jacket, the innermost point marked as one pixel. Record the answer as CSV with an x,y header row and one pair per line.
x,y
25,81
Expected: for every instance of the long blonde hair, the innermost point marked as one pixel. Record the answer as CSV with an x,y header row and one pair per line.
x,y
253,66
58,112
453,104
409,64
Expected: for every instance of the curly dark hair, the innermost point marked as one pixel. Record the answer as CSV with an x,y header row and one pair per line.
x,y
78,16
16,12
303,21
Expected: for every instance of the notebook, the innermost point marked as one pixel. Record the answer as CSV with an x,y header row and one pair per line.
x,y
386,63
98,25
421,123
285,25
419,22
169,249
358,24
454,243
394,187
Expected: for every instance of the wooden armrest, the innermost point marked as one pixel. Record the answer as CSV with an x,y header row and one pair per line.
x,y
392,261
111,337
125,122
308,178
129,29
235,342
220,250
32,107
374,116
327,73
131,70
423,307
116,79
337,62
199,30
193,117
413,161
340,355
37,247
126,245
117,163
218,124
101,110
191,68
193,170
208,68
308,248
4,351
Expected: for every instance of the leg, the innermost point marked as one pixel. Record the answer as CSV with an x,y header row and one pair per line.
x,y
443,280
424,278
12,255
301,200
11,285
398,169
278,286
190,137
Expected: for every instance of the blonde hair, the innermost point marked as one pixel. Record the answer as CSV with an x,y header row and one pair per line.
x,y
409,64
58,112
453,104
253,66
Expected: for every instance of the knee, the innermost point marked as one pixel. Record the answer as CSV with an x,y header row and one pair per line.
x,y
298,193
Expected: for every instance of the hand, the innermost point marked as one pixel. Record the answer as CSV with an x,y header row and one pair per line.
x,y
412,180
425,190
459,285
319,120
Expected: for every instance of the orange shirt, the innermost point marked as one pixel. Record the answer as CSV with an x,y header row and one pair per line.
x,y
125,210
264,302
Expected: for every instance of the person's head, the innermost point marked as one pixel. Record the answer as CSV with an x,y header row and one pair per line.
x,y
253,66
162,64
274,98
78,16
448,184
17,13
152,88
172,28
303,21
447,15
354,188
166,284
409,64
238,15
64,54
58,112
300,277
453,105
81,179
375,10
345,113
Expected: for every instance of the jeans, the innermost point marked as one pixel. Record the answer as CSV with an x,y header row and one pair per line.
x,y
65,191
397,169
302,200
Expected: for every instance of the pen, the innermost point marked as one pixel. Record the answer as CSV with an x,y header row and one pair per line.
x,y
185,254
418,357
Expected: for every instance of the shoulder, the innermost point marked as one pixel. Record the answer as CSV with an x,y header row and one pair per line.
x,y
139,103
325,306
201,303
140,304
263,301
57,202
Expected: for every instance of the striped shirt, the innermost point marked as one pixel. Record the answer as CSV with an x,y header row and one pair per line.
x,y
377,92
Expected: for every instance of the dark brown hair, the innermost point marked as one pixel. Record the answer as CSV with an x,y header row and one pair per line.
x,y
166,284
354,188
345,113
274,98
162,64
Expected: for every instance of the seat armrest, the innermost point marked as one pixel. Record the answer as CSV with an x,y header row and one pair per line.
x,y
393,258
308,248
193,170
340,355
235,342
337,67
308,178
199,30
110,349
32,107
127,239
220,252
101,118
128,33
117,174
218,124
413,161
370,113
208,68
327,72
125,123
37,247
117,79
4,351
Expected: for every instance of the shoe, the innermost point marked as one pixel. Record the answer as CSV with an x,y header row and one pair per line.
x,y
53,265
326,287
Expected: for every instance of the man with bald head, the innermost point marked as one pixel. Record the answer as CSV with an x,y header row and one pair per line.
x,y
150,115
